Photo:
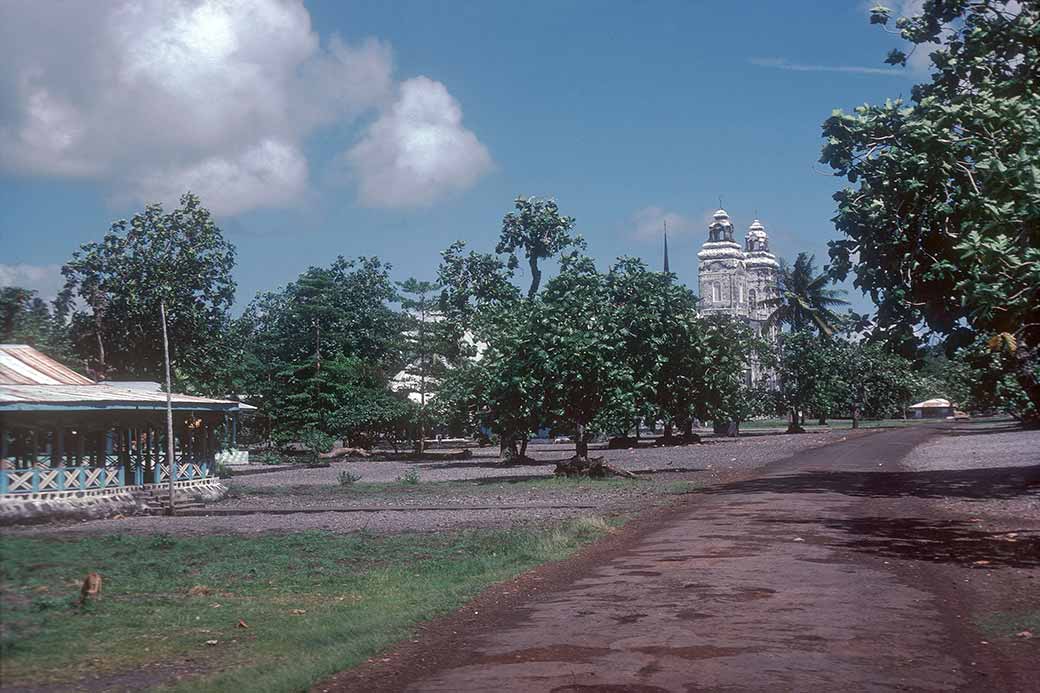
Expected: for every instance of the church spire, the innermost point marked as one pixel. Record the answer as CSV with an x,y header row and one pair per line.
x,y
666,247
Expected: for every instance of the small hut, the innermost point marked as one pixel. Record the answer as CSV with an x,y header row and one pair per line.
x,y
937,408
64,437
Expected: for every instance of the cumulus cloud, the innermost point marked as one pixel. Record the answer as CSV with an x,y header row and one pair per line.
x,y
649,222
150,96
417,150
45,279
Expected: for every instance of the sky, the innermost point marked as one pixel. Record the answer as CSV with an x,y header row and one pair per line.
x,y
317,129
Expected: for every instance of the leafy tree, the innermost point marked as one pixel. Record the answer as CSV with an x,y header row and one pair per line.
x,y
509,384
804,300
25,318
179,257
470,284
289,337
726,394
941,221
808,369
539,230
580,349
874,381
425,349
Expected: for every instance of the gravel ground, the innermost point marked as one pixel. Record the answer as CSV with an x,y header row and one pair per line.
x,y
718,454
1008,453
490,485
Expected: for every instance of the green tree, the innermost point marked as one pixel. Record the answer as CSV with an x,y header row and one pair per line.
x,y
804,300
287,338
539,230
726,395
425,348
180,257
25,318
581,350
874,382
809,375
471,283
941,220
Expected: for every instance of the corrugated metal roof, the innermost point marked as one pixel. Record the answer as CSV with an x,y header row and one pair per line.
x,y
30,381
100,396
20,364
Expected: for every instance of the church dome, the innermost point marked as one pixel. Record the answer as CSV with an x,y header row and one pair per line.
x,y
756,245
720,244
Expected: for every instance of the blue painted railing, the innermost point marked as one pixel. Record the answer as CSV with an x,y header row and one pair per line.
x,y
44,479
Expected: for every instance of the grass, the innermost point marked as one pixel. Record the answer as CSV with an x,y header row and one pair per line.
x,y
314,602
1005,624
832,424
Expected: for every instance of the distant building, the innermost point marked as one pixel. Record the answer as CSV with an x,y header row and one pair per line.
x,y
735,280
937,408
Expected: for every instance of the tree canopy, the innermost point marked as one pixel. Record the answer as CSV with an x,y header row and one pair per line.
x,y
942,220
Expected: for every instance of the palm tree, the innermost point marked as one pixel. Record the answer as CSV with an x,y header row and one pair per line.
x,y
805,301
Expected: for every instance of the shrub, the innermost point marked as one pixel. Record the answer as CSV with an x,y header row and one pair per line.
x,y
348,478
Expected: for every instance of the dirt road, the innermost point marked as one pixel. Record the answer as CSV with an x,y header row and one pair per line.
x,y
833,571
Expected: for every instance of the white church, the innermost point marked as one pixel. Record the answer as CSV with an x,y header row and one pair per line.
x,y
735,280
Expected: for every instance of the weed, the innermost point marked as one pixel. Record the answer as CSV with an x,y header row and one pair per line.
x,y
409,478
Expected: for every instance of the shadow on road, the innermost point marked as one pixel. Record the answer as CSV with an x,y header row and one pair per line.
x,y
981,484
932,540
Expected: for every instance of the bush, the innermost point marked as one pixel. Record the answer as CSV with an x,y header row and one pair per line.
x,y
268,457
316,442
348,478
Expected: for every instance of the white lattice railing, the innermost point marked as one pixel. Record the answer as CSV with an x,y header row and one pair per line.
x,y
42,479
183,472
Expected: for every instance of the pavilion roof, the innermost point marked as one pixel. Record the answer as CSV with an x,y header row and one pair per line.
x,y
31,381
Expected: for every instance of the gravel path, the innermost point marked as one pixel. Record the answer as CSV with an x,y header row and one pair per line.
x,y
987,462
704,464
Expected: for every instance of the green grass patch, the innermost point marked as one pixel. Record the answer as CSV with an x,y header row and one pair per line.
x,y
314,602
1006,624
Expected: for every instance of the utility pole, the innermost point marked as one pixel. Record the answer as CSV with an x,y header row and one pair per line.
x,y
169,403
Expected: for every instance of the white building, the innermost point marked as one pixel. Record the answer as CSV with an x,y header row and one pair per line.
x,y
735,280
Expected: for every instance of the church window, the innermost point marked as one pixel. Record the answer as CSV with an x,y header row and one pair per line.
x,y
752,296
715,292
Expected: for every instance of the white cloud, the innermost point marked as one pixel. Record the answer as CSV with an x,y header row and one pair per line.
x,y
417,150
648,223
784,64
269,174
148,96
45,279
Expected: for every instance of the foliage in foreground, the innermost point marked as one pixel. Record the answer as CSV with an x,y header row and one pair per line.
x,y
942,221
314,603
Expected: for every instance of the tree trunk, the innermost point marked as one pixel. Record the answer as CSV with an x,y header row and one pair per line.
x,y
581,446
794,426
855,416
523,447
667,436
823,420
536,277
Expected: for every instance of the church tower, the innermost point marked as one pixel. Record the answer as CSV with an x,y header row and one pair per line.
x,y
763,272
736,281
722,275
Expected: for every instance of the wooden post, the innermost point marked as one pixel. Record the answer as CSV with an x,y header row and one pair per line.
x,y
58,447
169,401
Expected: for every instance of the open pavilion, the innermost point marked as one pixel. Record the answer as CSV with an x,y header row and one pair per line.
x,y
63,435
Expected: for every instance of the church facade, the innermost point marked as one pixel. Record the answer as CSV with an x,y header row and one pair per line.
x,y
735,280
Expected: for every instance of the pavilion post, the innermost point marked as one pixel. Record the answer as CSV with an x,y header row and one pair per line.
x,y
169,403
58,447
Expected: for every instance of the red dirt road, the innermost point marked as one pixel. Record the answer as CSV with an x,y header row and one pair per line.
x,y
829,572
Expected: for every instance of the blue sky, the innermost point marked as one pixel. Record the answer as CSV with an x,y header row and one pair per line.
x,y
624,112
